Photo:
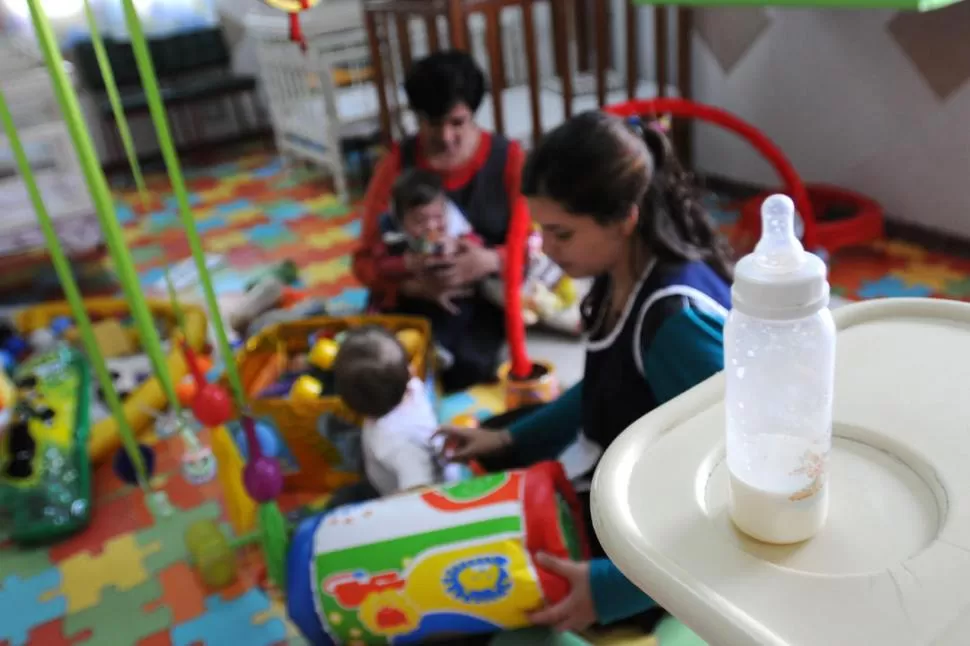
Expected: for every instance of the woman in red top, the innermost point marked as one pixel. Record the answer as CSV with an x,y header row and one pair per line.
x,y
481,173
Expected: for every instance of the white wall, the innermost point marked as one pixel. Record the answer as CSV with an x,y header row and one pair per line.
x,y
845,102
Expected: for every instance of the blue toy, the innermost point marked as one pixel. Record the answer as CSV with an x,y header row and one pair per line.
x,y
7,361
61,324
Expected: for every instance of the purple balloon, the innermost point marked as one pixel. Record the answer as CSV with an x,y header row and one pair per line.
x,y
263,479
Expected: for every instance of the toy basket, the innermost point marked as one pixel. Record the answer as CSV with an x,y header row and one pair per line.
x,y
263,360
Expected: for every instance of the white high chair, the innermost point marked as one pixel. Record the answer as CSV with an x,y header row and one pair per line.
x,y
892,564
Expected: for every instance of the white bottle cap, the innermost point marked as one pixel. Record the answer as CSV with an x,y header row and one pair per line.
x,y
779,280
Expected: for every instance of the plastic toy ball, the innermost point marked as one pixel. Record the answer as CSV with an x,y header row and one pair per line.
x,y
212,406
305,390
411,340
124,468
42,339
17,346
61,324
7,361
269,441
263,476
211,553
186,390
323,353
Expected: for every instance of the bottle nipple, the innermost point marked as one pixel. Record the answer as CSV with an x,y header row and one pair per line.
x,y
778,250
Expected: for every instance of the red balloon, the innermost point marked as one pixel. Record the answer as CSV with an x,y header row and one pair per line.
x,y
212,406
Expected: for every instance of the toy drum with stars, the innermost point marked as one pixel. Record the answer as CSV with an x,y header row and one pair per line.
x,y
449,560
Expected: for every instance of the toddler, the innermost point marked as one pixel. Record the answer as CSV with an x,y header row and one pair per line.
x,y
422,219
372,375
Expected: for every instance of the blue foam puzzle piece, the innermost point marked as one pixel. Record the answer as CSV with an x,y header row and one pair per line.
x,y
152,276
454,405
211,223
232,207
349,301
23,608
284,211
889,286
162,220
353,228
231,622
124,213
270,234
275,167
171,203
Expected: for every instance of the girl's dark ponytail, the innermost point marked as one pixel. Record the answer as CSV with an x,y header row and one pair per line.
x,y
673,222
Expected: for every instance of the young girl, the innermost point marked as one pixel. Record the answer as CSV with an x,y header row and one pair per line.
x,y
614,204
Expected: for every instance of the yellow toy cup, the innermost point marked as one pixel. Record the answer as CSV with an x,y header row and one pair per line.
x,y
541,387
323,353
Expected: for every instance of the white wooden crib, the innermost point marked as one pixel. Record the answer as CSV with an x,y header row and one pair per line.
x,y
27,89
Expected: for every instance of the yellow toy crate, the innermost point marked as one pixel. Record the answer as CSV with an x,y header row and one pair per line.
x,y
265,358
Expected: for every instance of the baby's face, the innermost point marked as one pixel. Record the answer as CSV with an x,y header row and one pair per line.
x,y
426,222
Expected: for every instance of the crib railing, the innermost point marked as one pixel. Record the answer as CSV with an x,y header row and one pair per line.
x,y
604,59
567,46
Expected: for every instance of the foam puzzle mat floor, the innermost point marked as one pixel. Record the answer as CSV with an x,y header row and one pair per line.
x,y
125,579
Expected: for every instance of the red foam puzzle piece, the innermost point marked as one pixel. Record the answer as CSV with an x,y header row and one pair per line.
x,y
126,514
182,592
52,634
158,639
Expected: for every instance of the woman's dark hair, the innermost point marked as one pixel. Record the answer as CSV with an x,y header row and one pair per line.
x,y
414,188
371,371
437,83
598,165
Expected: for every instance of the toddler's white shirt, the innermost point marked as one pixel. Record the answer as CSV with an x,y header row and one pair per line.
x,y
397,448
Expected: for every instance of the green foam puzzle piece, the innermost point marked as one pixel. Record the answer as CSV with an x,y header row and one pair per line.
x,y
169,534
537,637
122,617
24,563
670,632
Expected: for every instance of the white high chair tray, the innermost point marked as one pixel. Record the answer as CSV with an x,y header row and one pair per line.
x,y
892,565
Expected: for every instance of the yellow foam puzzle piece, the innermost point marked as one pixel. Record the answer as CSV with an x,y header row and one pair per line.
x,y
226,241
328,238
317,273
120,565
223,191
243,216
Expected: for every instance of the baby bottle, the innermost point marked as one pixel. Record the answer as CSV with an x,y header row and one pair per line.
x,y
779,360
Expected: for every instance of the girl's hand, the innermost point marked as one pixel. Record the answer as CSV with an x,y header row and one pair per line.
x,y
576,611
462,444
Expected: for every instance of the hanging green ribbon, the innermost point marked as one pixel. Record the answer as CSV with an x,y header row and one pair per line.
x,y
156,108
101,195
114,98
63,268
174,302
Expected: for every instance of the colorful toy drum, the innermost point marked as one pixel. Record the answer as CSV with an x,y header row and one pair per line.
x,y
450,560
